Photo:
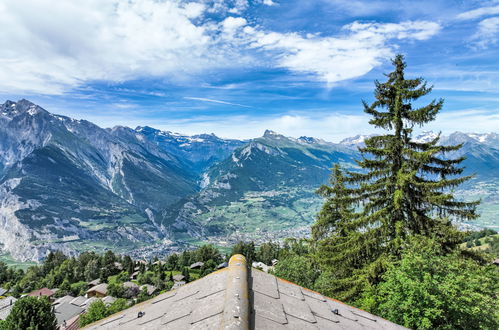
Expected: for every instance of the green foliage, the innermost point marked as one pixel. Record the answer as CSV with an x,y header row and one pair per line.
x,y
429,290
95,312
116,289
208,252
298,269
119,305
336,209
78,288
404,188
247,249
31,313
471,236
268,252
186,273
146,278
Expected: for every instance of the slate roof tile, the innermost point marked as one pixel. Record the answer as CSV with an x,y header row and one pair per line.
x,y
271,304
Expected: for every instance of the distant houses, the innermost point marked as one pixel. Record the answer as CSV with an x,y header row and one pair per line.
x,y
178,278
98,291
42,292
197,265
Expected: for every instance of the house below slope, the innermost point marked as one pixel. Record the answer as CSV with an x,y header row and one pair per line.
x,y
240,298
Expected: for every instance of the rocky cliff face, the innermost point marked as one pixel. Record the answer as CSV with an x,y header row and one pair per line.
x,y
70,185
65,182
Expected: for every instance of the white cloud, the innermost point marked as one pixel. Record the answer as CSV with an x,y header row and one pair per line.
x,y
269,2
215,101
335,59
330,126
51,48
479,12
488,32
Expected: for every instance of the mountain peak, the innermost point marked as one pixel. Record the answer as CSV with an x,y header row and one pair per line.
x,y
272,134
11,108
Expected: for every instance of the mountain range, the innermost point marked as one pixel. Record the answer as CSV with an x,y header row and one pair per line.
x,y
68,184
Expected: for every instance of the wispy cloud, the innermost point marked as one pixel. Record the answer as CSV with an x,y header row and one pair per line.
x,y
488,32
479,12
353,53
119,41
215,101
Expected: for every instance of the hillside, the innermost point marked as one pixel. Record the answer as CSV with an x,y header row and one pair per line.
x,y
68,184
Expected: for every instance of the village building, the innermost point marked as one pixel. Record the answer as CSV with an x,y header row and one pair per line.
x,y
94,283
178,284
260,265
178,278
62,300
3,291
241,298
97,291
149,288
42,292
65,312
6,305
222,265
108,300
197,265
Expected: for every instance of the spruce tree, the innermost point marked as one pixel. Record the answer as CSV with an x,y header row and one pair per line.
x,y
336,208
404,189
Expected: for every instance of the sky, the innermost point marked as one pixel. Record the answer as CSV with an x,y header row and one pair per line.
x,y
236,68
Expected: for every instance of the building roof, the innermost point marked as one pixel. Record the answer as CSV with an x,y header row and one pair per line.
x,y
108,300
235,298
3,291
101,288
94,282
65,299
178,277
150,288
222,265
88,302
130,285
6,305
198,264
42,292
78,301
66,311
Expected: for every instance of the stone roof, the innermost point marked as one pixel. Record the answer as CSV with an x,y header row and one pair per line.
x,y
66,311
6,305
108,300
42,292
65,299
196,265
178,277
94,282
130,285
101,288
150,288
235,298
79,301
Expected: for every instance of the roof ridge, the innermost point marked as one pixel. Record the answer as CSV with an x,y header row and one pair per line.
x,y
236,304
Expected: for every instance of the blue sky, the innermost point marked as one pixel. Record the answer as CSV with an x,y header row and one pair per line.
x,y
238,67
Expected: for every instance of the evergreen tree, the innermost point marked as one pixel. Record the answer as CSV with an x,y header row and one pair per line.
x,y
404,189
336,208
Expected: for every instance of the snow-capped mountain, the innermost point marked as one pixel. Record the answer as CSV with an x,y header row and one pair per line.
x,y
200,151
65,180
69,184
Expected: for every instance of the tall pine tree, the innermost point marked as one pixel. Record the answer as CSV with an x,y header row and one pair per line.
x,y
405,189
